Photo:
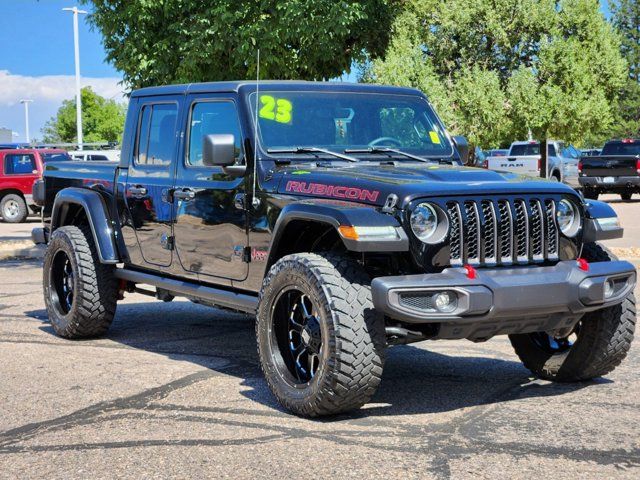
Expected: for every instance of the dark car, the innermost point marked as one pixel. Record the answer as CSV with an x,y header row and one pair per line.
x,y
343,218
616,170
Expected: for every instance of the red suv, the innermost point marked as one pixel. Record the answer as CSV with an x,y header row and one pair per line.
x,y
19,169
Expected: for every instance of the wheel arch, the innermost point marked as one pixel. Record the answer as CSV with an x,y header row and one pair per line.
x,y
317,224
76,206
8,191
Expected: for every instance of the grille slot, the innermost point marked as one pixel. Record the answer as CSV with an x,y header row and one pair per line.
x,y
504,231
455,233
473,232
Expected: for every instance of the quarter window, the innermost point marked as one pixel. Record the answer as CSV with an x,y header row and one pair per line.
x,y
19,164
208,118
157,134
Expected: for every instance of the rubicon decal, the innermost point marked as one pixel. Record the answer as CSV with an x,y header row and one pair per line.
x,y
335,191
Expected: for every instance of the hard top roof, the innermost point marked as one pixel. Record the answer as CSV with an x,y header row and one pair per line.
x,y
236,86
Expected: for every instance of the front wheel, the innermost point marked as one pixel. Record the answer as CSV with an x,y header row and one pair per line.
x,y
320,342
625,196
596,346
13,208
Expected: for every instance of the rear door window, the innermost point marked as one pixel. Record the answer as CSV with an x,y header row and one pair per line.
x,y
156,140
19,164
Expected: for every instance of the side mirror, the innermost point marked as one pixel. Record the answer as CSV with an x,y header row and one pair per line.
x,y
219,150
463,148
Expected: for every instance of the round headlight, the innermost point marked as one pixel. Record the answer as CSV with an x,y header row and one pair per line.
x,y
424,221
428,223
568,218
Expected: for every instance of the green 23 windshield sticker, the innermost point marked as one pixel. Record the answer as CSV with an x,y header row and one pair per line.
x,y
278,109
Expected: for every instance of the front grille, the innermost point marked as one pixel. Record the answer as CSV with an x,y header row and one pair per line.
x,y
502,232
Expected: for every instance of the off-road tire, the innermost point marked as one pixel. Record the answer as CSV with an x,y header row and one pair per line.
x,y
625,196
95,287
351,367
18,202
603,342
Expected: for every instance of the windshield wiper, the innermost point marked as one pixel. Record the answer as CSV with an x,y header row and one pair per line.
x,y
312,150
388,150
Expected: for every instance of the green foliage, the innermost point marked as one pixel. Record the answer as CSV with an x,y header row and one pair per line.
x,y
507,67
626,18
102,120
157,42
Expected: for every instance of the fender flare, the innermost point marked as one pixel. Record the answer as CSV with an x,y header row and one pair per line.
x,y
97,213
334,215
594,228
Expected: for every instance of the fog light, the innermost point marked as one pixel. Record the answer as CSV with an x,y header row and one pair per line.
x,y
608,289
445,302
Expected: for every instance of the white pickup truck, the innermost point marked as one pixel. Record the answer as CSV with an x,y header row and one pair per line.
x,y
524,158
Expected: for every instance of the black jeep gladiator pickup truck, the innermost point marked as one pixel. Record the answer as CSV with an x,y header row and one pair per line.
x,y
342,217
615,170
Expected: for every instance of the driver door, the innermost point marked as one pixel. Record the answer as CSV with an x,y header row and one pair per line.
x,y
211,223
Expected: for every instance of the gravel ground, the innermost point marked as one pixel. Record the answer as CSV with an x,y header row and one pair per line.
x,y
174,391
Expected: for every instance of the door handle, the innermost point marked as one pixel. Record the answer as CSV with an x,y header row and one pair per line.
x,y
137,191
185,194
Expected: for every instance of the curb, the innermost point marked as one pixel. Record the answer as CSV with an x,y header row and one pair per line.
x,y
23,250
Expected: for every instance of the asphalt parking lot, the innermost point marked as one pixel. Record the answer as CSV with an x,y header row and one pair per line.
x,y
175,390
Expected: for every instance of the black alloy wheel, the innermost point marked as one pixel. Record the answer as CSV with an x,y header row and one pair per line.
x,y
62,282
296,337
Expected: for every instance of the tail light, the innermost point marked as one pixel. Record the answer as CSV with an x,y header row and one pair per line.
x,y
580,166
539,164
638,166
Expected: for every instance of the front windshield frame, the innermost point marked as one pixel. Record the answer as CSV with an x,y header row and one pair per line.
x,y
448,153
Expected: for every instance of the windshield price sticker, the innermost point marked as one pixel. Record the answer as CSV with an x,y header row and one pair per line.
x,y
277,109
434,137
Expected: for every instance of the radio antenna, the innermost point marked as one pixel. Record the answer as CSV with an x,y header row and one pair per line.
x,y
254,200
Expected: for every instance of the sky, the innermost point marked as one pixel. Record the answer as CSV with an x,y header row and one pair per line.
x,y
37,62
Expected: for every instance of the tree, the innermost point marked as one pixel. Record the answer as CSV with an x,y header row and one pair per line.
x,y
626,18
158,42
509,66
102,120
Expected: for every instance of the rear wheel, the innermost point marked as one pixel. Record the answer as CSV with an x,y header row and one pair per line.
x,y
594,347
591,195
625,196
321,343
80,292
13,208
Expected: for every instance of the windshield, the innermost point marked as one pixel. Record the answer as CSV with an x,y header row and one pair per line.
x,y
619,148
340,121
55,157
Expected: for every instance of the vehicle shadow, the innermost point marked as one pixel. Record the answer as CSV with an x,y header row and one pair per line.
x,y
415,380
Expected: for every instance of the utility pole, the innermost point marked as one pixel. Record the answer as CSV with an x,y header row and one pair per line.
x,y
76,45
26,103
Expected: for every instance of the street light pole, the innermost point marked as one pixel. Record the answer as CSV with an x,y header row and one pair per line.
x,y
26,103
76,44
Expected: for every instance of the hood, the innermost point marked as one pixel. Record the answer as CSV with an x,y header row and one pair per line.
x,y
372,182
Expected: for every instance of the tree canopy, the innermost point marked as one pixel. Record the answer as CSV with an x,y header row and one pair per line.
x,y
626,18
157,42
496,70
102,120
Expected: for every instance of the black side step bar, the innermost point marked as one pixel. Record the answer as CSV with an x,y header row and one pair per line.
x,y
223,298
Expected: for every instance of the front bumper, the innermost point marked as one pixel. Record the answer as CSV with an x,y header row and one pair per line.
x,y
619,183
504,300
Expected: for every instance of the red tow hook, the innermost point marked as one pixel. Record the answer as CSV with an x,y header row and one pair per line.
x,y
583,264
472,273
